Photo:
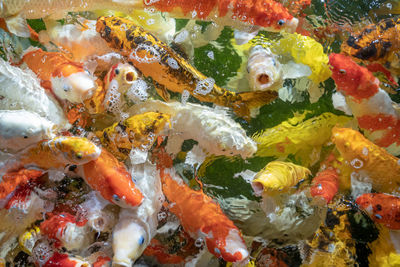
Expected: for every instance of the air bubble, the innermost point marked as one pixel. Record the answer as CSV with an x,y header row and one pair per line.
x,y
365,151
199,242
210,54
205,86
149,2
154,54
138,91
356,163
172,63
185,96
161,216
150,21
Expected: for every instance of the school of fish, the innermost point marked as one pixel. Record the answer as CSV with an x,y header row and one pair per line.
x,y
198,133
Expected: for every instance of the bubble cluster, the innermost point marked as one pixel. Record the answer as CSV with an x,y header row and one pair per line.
x,y
138,91
151,54
112,97
205,86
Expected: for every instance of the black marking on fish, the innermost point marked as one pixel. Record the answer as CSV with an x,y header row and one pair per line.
x,y
367,52
387,24
128,35
105,135
123,127
139,40
116,41
352,42
107,33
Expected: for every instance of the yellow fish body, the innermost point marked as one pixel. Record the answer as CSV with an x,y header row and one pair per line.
x,y
28,239
169,70
278,177
60,151
382,168
138,131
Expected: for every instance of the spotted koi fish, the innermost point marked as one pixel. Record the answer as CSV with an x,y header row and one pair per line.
x,y
169,70
110,177
382,208
362,155
222,237
65,78
377,43
371,105
59,152
138,131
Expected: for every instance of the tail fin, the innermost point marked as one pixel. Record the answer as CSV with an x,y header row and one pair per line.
x,y
254,99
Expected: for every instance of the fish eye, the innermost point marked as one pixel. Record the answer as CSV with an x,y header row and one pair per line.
x,y
78,155
342,71
281,22
116,71
141,240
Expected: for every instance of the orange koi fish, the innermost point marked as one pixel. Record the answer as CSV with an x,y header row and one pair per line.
x,y
382,168
158,250
169,70
65,229
65,78
111,178
269,14
61,259
222,237
17,178
370,105
325,184
382,208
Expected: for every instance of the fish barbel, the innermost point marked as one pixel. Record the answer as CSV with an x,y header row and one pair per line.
x,y
169,70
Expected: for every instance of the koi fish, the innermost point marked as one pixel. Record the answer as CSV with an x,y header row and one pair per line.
x,y
371,105
265,71
376,43
28,239
11,180
169,70
66,231
110,178
297,136
136,227
217,133
382,208
20,129
222,237
382,168
59,152
325,184
20,90
160,252
138,131
68,80
278,177
267,14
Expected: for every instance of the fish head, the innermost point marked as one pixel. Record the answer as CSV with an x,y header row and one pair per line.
x,y
77,150
124,74
281,20
365,201
226,244
352,79
74,85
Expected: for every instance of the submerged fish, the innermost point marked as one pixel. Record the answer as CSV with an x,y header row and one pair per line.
x,y
169,70
382,208
65,78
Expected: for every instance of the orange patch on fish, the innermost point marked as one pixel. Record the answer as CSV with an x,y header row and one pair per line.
x,y
17,178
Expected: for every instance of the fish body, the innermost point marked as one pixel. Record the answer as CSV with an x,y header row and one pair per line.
x,y
20,129
28,239
213,128
59,152
278,177
169,70
382,208
111,179
138,131
20,90
376,43
371,105
67,79
382,168
63,259
12,179
325,184
66,230
222,237
267,14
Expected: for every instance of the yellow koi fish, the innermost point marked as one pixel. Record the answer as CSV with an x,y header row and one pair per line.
x,y
60,151
138,131
169,70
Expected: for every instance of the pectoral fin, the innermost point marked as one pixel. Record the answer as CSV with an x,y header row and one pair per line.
x,y
17,25
162,91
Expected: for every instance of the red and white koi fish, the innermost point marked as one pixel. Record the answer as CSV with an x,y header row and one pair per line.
x,y
110,177
13,179
382,208
371,105
201,217
68,80
66,230
62,259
